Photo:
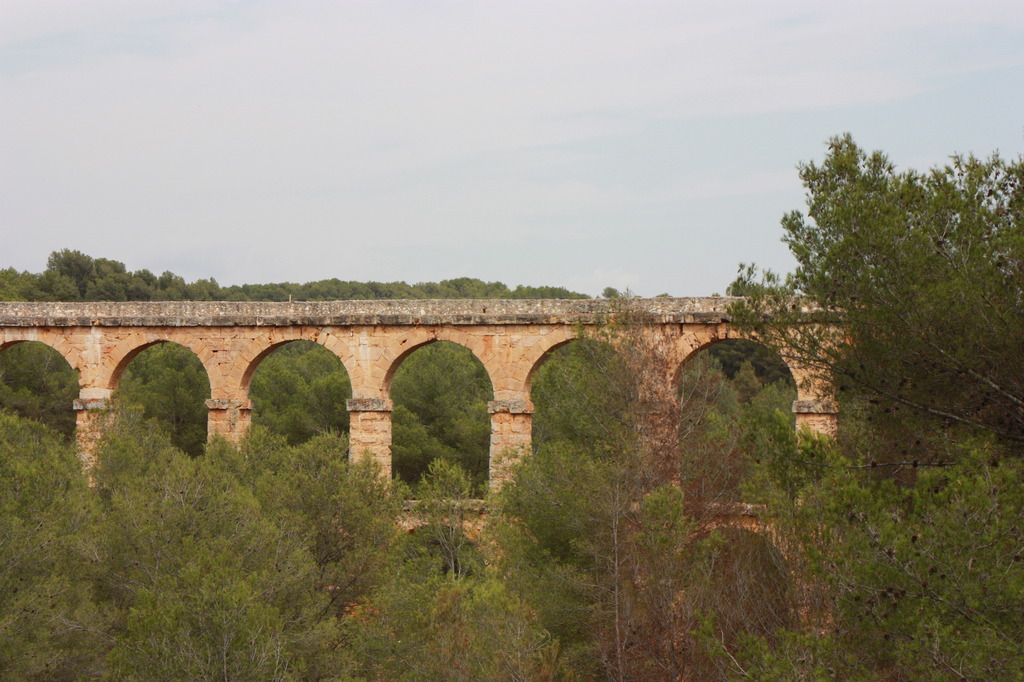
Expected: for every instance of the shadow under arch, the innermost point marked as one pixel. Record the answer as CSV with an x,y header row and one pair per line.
x,y
171,385
440,390
298,389
39,382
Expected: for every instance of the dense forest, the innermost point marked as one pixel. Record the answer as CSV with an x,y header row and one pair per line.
x,y
656,532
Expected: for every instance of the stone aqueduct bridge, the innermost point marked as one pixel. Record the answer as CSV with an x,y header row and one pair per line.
x,y
510,338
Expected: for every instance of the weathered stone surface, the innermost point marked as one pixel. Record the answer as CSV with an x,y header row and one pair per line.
x,y
89,404
369,405
510,338
815,406
228,404
511,406
818,423
707,310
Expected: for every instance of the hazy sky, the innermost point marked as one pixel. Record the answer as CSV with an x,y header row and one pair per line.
x,y
634,144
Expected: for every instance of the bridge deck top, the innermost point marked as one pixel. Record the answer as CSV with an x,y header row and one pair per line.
x,y
707,310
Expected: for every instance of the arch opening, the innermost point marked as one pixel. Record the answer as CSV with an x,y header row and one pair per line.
x,y
732,373
37,382
726,391
440,392
170,384
298,390
580,397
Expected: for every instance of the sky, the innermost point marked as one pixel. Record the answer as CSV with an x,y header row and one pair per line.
x,y
643,145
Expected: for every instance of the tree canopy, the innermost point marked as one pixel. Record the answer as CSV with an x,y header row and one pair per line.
x,y
919,280
905,533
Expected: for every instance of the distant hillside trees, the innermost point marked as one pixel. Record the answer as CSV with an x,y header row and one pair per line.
x,y
74,276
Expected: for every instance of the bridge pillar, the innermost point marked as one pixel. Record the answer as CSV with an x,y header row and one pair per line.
x,y
370,431
90,408
511,436
817,414
228,417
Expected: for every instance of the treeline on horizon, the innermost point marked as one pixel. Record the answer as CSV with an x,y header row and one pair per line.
x,y
74,276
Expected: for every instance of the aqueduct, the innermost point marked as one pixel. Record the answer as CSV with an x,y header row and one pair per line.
x,y
509,337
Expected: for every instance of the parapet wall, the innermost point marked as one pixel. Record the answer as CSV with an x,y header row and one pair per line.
x,y
707,310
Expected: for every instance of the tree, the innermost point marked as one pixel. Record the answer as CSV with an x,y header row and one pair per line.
x,y
74,265
917,282
609,529
49,626
897,531
347,514
440,394
299,391
171,385
37,382
444,613
206,581
238,564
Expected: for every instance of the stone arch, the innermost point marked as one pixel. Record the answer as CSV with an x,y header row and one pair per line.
x,y
32,360
299,389
117,359
575,391
695,343
541,351
814,407
443,372
401,347
239,374
55,340
172,385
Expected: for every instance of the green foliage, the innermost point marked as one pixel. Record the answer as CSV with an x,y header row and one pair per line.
x,y
49,626
440,393
458,623
424,626
578,398
901,564
611,292
917,277
207,583
348,512
619,563
36,382
171,385
299,391
766,364
74,276
239,563
904,535
444,495
18,286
